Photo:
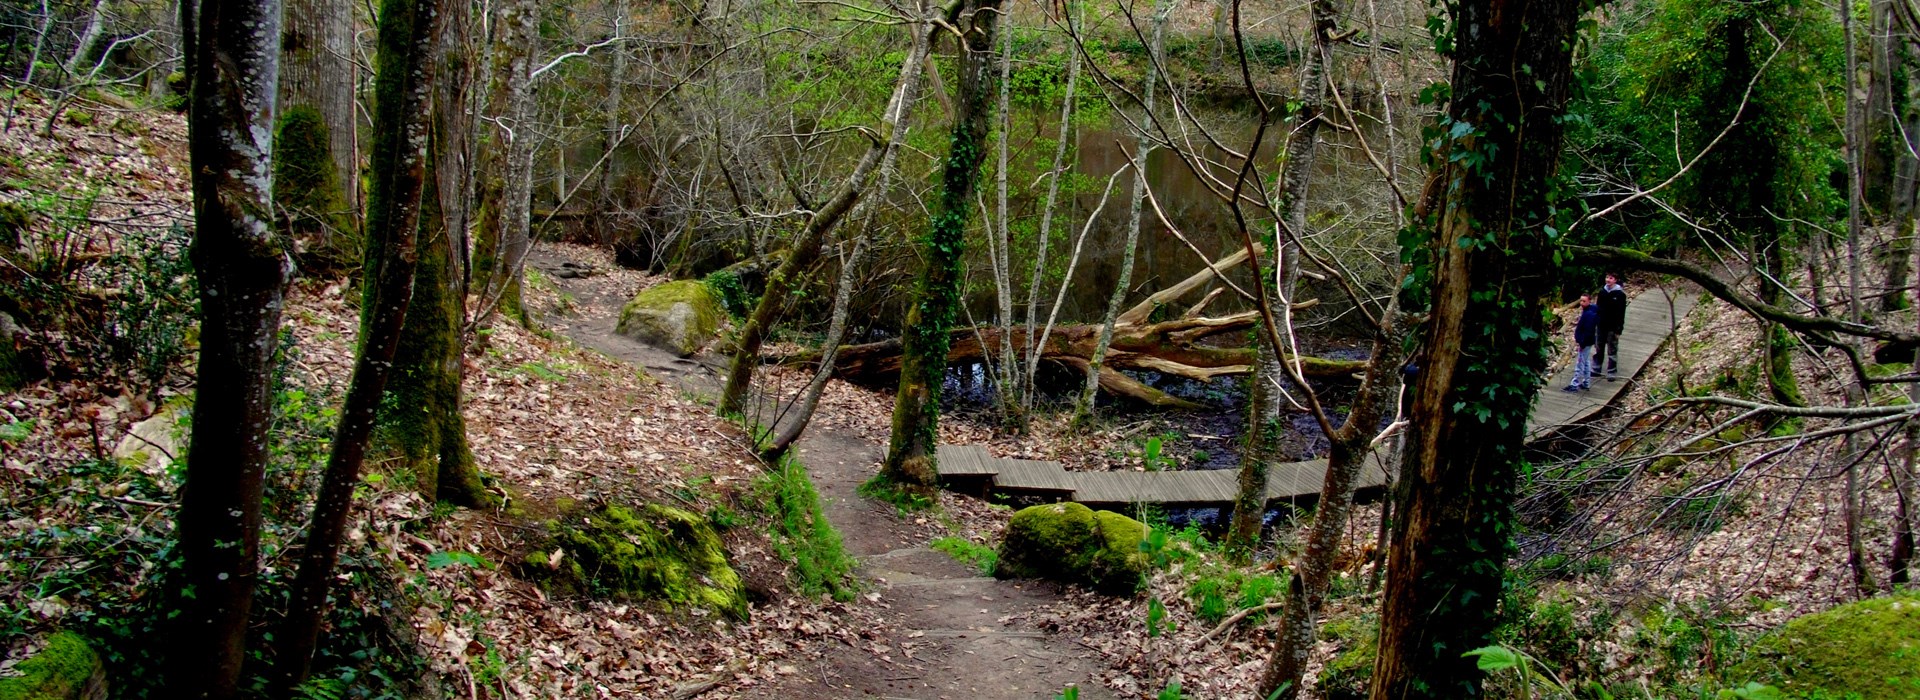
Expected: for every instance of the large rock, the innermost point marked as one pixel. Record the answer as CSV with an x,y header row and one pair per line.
x,y
67,669
677,316
1071,543
654,552
1868,650
152,445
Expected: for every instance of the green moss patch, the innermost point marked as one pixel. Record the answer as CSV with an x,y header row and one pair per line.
x,y
67,669
677,316
653,552
1072,543
1347,675
1869,650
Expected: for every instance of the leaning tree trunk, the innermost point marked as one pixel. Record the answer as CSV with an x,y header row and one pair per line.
x,y
317,74
502,240
402,96
1263,405
1490,260
786,278
422,431
243,272
1142,146
90,38
936,298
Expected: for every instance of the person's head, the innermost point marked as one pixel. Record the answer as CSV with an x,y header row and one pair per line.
x,y
1586,299
1612,279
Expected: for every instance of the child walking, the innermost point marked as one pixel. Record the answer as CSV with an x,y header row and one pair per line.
x,y
1584,333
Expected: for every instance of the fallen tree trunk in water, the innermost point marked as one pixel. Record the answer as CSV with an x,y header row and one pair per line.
x,y
1170,347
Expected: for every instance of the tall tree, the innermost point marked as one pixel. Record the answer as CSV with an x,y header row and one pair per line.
x,y
1484,263
422,423
408,38
936,295
503,238
243,271
317,87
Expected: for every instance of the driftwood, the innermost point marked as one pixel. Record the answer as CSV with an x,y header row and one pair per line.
x,y
1170,347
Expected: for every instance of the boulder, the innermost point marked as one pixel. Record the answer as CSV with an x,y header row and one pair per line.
x,y
67,669
1071,543
653,552
677,316
1868,650
153,444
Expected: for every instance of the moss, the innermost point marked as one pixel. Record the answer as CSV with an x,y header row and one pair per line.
x,y
1346,675
67,668
1869,649
654,552
680,316
1072,543
306,190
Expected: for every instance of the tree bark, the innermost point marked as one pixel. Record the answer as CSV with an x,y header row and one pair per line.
x,y
1045,234
317,72
936,300
243,273
1007,374
408,39
1490,262
1263,404
1857,146
506,149
1906,176
89,42
806,248
422,431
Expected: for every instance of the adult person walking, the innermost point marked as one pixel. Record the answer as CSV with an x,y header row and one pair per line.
x,y
1613,319
1584,332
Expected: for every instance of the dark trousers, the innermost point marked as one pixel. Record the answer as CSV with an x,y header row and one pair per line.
x,y
1606,353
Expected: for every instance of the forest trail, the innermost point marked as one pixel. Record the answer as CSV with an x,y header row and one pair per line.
x,y
950,632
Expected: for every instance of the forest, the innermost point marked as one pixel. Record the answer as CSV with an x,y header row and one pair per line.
x,y
1171,349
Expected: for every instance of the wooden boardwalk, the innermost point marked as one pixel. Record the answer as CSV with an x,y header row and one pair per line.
x,y
1650,320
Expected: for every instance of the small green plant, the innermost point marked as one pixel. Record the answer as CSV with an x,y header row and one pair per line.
x,y
1071,692
1156,617
802,535
1499,658
968,552
903,500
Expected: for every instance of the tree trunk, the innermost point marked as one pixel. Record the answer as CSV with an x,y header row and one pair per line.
x,y
421,430
317,72
506,161
1142,147
786,278
243,273
1906,177
1263,405
1006,378
408,38
936,298
1045,234
96,30
1856,392
1484,344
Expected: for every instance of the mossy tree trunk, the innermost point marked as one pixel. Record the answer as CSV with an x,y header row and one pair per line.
x,y
806,248
503,238
422,429
936,297
1485,263
243,273
1264,397
408,37
316,82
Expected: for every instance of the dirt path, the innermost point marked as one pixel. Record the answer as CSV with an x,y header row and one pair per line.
x,y
950,633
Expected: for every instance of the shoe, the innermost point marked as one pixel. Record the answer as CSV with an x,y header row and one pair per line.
x,y
1571,387
1612,377
1586,387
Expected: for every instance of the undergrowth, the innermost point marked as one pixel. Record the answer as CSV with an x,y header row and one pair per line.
x,y
802,535
969,552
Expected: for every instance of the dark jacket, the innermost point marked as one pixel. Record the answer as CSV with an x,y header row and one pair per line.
x,y
1588,327
1613,310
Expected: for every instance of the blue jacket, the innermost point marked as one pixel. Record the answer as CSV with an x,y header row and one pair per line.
x,y
1583,332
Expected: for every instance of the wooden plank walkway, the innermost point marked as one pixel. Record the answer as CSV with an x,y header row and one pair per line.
x,y
1650,321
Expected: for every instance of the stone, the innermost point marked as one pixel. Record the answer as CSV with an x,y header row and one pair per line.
x,y
1868,650
20,364
1072,543
67,669
152,445
652,552
680,317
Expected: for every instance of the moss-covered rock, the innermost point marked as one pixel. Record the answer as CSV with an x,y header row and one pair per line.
x,y
1869,650
68,669
1072,543
677,316
654,552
